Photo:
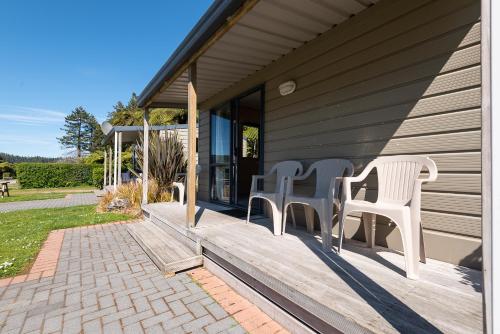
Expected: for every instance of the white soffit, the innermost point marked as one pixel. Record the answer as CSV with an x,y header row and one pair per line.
x,y
270,30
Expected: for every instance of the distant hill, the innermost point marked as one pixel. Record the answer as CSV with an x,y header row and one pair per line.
x,y
17,158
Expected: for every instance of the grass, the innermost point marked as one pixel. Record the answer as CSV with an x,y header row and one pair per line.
x,y
22,233
17,195
31,197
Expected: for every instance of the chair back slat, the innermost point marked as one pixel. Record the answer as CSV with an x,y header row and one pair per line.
x,y
325,170
397,176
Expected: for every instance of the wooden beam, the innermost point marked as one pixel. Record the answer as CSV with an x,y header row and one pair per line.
x,y
161,104
115,165
145,159
191,170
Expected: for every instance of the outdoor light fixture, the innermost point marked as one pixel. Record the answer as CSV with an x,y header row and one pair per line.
x,y
287,87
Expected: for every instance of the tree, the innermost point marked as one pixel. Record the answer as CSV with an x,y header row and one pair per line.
x,y
82,132
6,157
131,114
97,135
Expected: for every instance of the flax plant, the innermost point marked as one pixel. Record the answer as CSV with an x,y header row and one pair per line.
x,y
166,158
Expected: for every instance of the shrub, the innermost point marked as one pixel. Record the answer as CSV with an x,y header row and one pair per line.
x,y
53,175
98,176
166,158
93,158
132,193
7,170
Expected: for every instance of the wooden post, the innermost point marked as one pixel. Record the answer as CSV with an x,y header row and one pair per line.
x,y
115,164
145,159
105,168
191,168
120,158
110,166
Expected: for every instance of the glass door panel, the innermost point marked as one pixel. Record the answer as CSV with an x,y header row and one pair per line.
x,y
247,155
235,148
220,154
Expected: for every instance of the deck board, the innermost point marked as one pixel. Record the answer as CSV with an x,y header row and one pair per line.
x,y
365,286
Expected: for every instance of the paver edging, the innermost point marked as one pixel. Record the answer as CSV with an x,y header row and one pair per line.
x,y
45,264
249,316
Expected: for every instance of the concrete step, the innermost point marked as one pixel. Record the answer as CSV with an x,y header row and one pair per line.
x,y
170,254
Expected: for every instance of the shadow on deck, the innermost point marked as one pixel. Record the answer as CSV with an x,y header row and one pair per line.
x,y
364,290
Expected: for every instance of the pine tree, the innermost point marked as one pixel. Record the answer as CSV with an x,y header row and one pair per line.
x,y
81,129
97,135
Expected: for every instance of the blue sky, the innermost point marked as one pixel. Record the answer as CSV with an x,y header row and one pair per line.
x,y
57,54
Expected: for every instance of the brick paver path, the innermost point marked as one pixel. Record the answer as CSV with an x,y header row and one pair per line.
x,y
104,283
69,200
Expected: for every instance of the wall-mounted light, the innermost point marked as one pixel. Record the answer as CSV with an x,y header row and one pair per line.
x,y
287,88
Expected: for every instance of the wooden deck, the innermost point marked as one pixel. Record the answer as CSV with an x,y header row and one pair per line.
x,y
364,290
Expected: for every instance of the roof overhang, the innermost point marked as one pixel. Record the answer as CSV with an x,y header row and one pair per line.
x,y
216,15
130,134
236,38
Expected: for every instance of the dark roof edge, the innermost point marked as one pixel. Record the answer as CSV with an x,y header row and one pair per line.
x,y
213,18
139,128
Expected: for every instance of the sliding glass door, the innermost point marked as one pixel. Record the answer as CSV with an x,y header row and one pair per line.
x,y
220,154
235,148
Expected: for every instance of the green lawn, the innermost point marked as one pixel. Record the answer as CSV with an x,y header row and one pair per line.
x,y
31,197
14,187
22,233
17,194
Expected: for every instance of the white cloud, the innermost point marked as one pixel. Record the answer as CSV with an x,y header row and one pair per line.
x,y
30,115
16,139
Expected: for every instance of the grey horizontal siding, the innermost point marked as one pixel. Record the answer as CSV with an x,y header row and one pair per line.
x,y
417,92
403,77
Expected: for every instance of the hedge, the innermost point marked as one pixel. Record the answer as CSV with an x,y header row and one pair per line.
x,y
98,176
54,175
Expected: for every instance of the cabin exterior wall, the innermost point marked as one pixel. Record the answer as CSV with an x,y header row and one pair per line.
x,y
402,77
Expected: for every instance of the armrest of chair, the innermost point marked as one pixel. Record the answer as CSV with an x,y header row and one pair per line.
x,y
347,181
255,178
178,176
303,176
291,179
433,172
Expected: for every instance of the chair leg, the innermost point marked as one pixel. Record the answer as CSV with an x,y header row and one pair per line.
x,y
249,209
181,195
277,218
422,245
293,216
309,213
172,194
326,227
369,224
410,234
342,215
285,216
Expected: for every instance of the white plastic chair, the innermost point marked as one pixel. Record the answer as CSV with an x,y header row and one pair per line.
x,y
181,186
329,175
283,170
399,192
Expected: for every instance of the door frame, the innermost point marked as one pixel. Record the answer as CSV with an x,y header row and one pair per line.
x,y
234,108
